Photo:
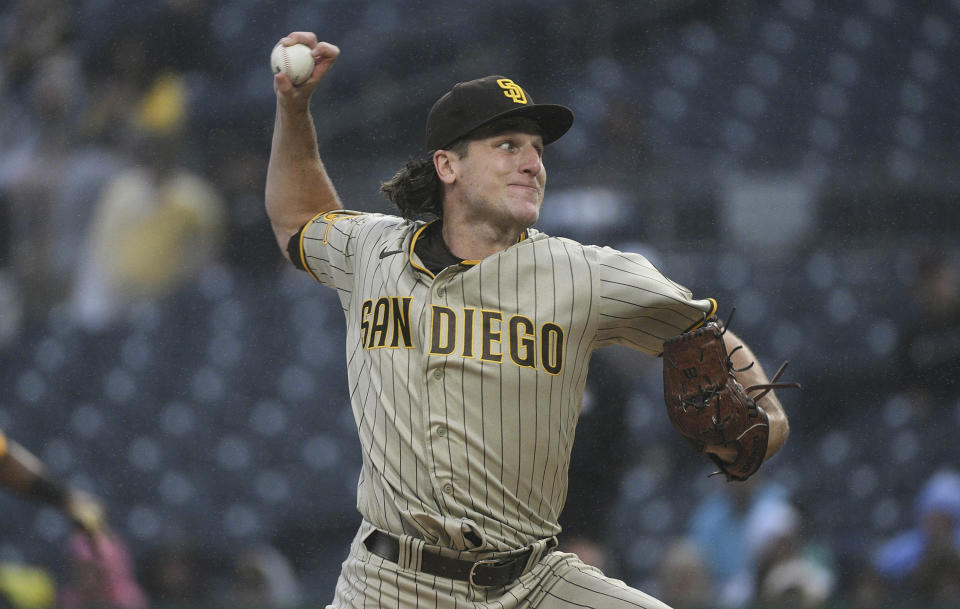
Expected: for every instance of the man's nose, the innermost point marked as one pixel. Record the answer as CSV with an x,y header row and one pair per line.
x,y
531,160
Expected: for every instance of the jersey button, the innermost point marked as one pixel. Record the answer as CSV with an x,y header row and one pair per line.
x,y
438,374
448,489
441,431
441,292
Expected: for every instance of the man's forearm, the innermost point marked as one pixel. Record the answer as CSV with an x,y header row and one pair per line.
x,y
298,187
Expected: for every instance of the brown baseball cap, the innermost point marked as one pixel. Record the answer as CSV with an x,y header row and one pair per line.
x,y
472,104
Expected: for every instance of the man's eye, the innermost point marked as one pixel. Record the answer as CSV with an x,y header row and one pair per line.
x,y
505,145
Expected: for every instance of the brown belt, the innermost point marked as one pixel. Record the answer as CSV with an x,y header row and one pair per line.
x,y
485,573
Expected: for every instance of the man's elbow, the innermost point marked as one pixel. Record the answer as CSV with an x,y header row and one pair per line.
x,y
283,236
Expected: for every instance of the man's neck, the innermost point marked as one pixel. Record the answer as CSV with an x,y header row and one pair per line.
x,y
472,240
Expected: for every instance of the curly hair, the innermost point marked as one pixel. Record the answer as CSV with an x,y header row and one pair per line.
x,y
415,189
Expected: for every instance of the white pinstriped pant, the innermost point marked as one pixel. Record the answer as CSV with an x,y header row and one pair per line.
x,y
558,581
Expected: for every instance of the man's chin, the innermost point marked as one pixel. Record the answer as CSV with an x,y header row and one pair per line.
x,y
528,215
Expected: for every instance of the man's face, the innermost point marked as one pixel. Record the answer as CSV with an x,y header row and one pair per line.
x,y
501,179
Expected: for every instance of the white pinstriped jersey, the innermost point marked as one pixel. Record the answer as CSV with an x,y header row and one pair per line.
x,y
466,386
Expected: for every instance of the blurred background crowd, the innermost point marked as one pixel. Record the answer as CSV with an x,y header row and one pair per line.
x,y
795,159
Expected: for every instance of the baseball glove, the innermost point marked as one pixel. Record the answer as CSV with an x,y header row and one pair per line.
x,y
708,406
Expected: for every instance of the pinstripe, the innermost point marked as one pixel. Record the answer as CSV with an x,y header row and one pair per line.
x,y
536,390
559,471
551,425
466,444
499,405
484,417
471,479
518,398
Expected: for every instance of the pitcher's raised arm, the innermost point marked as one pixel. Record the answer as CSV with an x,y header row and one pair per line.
x,y
298,187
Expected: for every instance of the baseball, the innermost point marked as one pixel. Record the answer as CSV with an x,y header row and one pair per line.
x,y
295,61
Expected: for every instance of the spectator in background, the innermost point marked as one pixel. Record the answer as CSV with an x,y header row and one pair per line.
x,y
752,538
264,578
683,579
126,56
58,151
120,73
156,224
717,528
175,572
789,570
924,561
33,29
929,366
100,575
49,178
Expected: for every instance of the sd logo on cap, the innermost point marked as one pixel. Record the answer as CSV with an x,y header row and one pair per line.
x,y
472,104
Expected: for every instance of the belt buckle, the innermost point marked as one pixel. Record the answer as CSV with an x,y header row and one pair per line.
x,y
473,570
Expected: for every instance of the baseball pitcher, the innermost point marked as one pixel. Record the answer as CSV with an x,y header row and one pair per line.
x,y
468,340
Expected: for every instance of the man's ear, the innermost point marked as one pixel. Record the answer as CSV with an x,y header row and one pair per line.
x,y
445,163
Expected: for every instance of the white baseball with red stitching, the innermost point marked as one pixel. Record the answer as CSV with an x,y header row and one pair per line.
x,y
295,61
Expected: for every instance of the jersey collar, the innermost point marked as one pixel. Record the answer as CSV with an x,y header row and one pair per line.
x,y
419,241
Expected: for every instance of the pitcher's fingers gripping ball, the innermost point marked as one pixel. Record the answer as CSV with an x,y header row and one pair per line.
x,y
295,61
709,407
